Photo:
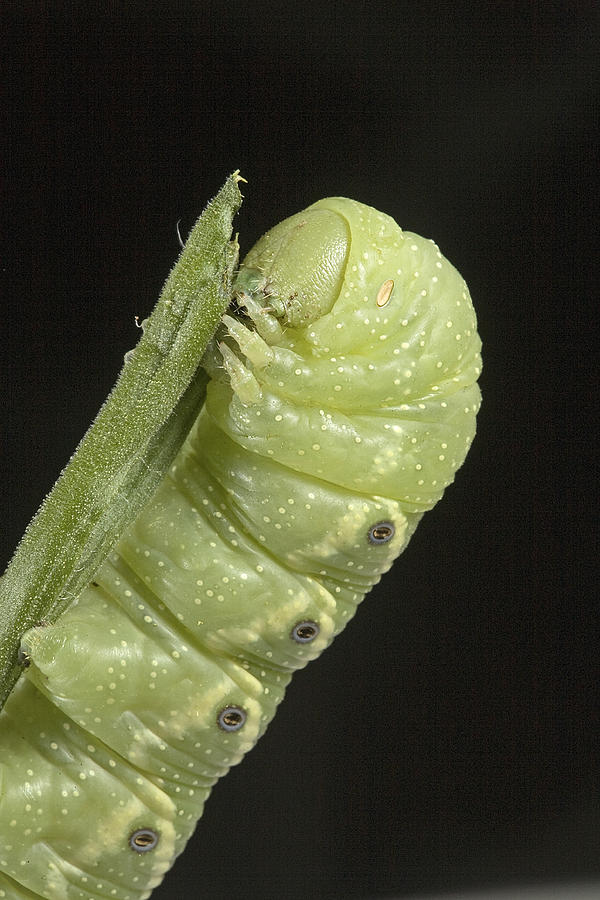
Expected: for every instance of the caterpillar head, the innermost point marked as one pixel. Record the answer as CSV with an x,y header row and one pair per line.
x,y
296,270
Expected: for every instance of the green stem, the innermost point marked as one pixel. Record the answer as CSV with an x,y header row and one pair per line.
x,y
134,438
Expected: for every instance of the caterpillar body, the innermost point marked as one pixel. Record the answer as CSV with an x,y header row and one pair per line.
x,y
343,400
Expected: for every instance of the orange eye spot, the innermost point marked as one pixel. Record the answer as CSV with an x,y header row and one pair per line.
x,y
384,293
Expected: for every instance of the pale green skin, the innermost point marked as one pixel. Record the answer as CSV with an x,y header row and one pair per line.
x,y
359,415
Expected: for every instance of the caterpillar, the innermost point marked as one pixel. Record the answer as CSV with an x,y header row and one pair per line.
x,y
342,401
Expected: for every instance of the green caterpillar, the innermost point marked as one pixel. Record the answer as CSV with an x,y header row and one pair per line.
x,y
342,401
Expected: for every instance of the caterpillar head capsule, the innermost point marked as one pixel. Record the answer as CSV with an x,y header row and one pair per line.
x,y
298,266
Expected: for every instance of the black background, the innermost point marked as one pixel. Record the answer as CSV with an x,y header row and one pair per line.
x,y
449,738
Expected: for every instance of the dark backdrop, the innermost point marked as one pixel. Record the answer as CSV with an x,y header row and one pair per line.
x,y
450,736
